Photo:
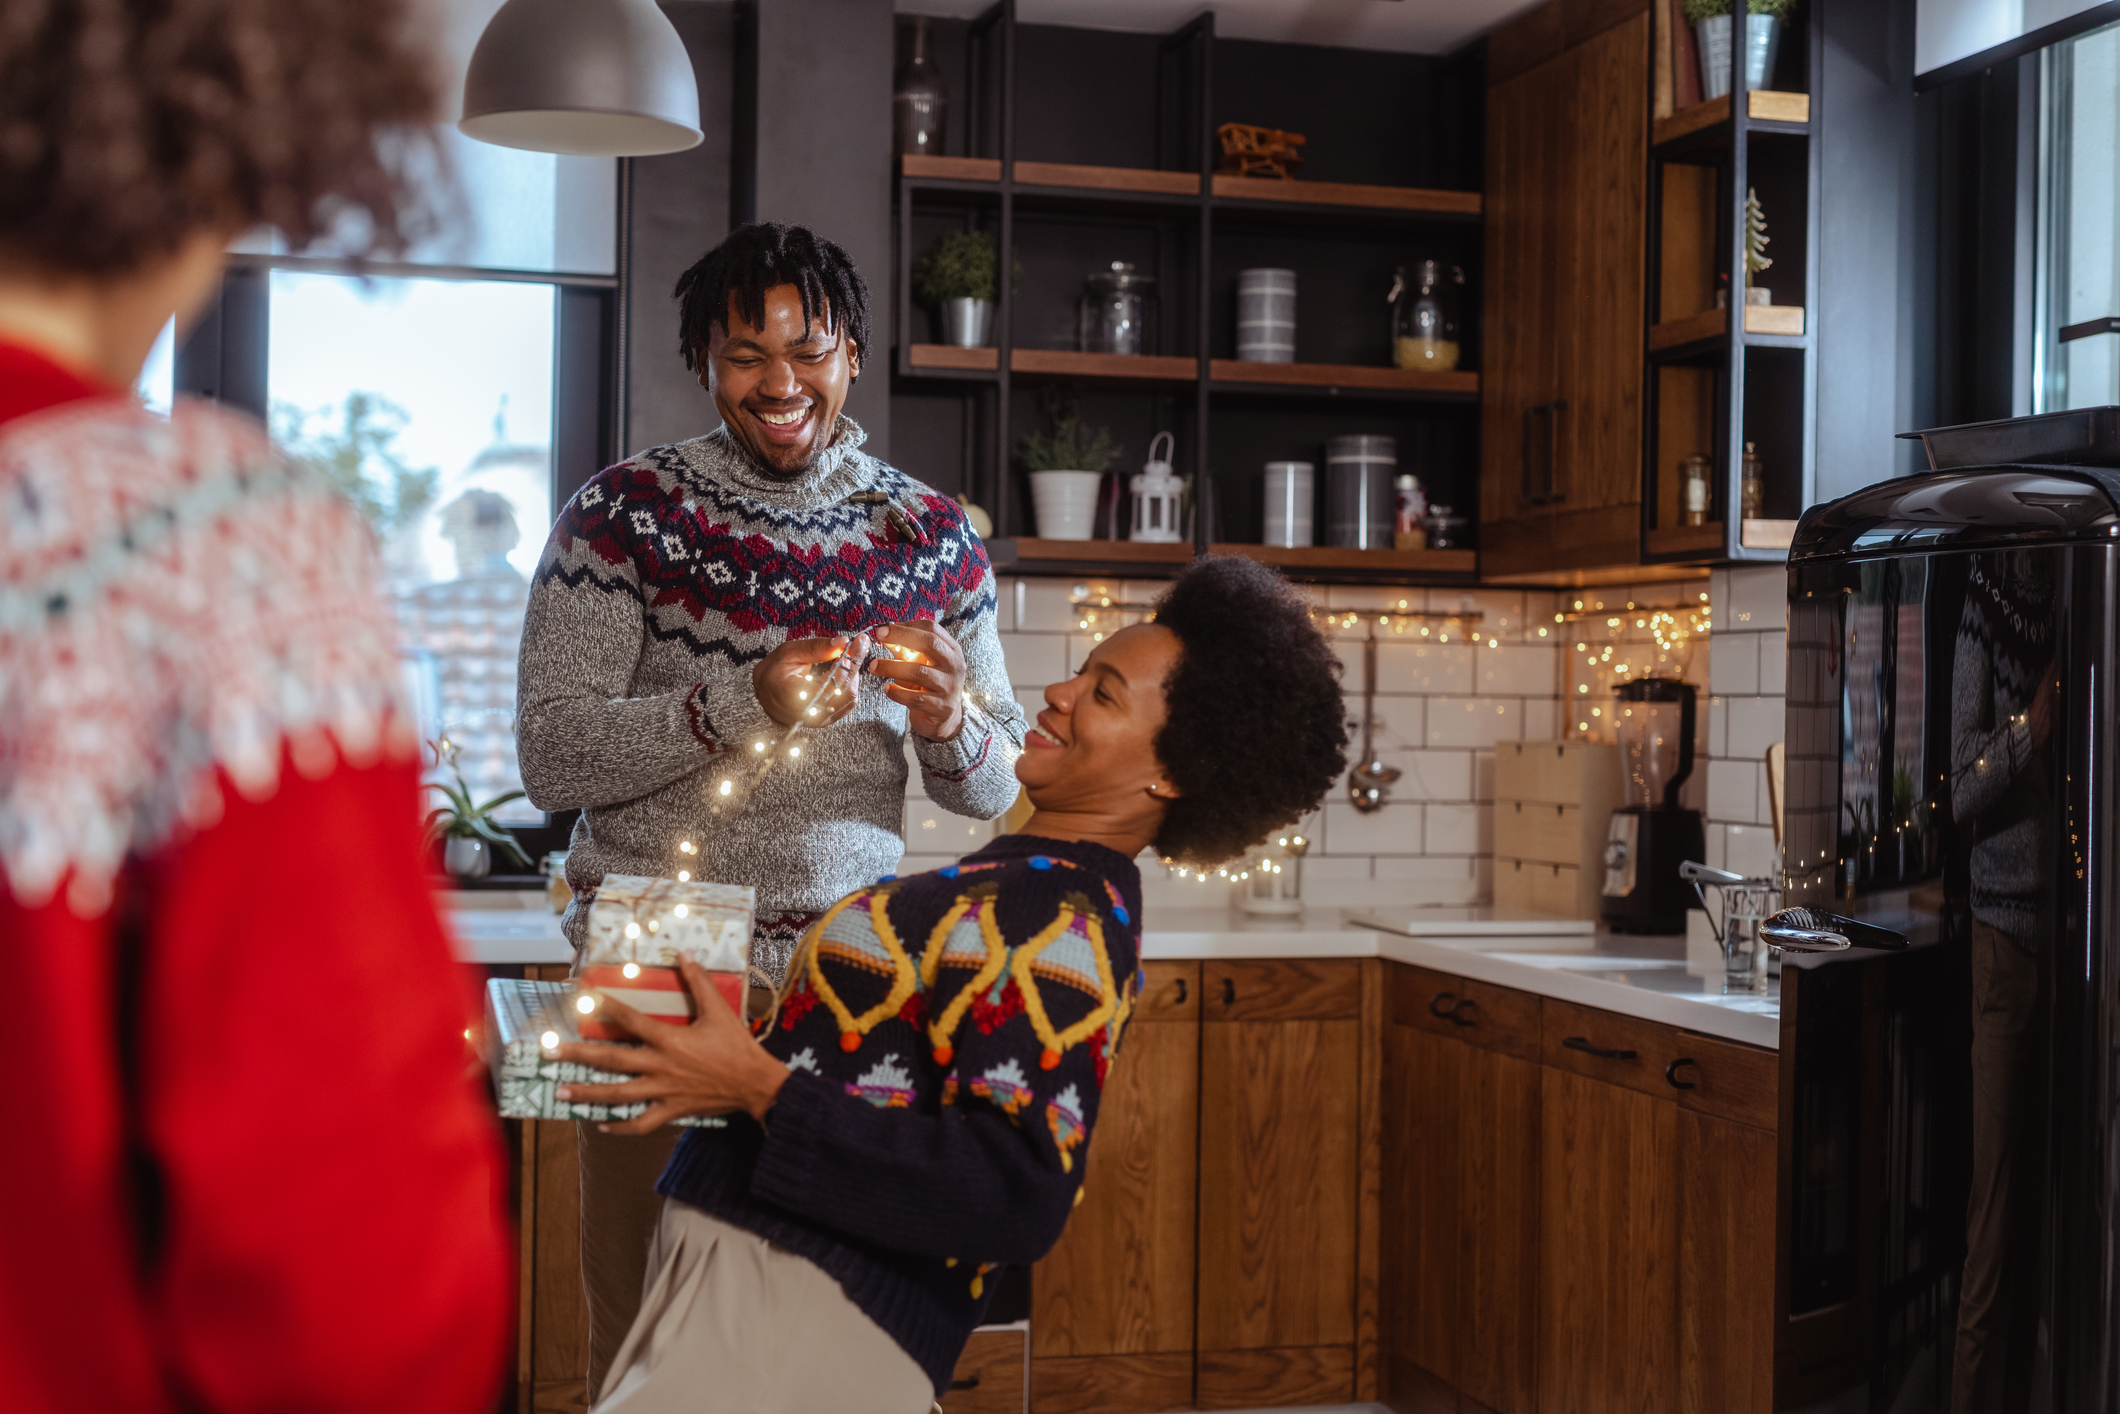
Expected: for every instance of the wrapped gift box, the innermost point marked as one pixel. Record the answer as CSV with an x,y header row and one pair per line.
x,y
525,1022
639,927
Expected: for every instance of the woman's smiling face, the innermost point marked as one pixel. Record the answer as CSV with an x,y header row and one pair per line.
x,y
1093,748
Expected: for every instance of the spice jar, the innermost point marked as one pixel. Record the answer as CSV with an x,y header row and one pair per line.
x,y
1116,311
1408,530
1752,485
1424,316
1696,492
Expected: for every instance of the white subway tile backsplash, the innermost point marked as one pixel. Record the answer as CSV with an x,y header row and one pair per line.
x,y
1334,869
1483,775
1733,663
1755,725
1373,598
1541,719
1045,606
1749,850
1758,600
1528,670
1733,790
1460,829
1400,722
1433,775
929,829
1501,611
1473,721
1718,725
1419,667
1035,659
1773,662
1396,829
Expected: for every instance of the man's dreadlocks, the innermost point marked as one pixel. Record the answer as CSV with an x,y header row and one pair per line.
x,y
753,260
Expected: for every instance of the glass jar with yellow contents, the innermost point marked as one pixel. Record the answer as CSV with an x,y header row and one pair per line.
x,y
1424,315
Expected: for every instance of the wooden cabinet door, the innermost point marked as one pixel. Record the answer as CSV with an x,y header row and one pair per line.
x,y
1566,229
1461,1196
1280,1074
1608,1238
1726,1249
1112,1304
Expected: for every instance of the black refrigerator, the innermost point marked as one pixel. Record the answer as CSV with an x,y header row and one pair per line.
x,y
1950,1143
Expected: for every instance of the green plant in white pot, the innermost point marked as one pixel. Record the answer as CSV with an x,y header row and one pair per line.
x,y
467,831
958,279
1067,465
1711,41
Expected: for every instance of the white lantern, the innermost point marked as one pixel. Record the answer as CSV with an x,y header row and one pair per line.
x,y
1158,495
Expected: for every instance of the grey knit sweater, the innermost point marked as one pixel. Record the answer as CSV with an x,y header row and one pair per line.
x,y
665,581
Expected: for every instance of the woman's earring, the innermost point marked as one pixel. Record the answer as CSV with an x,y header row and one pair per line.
x,y
1152,786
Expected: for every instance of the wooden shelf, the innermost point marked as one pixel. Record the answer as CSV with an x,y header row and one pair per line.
x,y
1774,319
1247,191
1329,376
949,357
1687,539
1132,369
1761,106
1299,558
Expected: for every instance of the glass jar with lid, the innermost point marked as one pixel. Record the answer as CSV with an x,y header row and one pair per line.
x,y
1116,313
1696,490
1424,315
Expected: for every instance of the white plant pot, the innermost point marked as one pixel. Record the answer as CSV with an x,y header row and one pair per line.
x,y
467,859
1066,503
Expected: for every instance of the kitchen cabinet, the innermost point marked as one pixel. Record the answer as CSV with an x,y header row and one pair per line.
x,y
1560,441
1285,1174
1112,1305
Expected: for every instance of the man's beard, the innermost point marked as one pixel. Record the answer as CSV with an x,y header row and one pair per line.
x,y
784,474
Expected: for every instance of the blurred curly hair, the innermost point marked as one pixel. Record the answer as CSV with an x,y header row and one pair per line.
x,y
1256,733
128,126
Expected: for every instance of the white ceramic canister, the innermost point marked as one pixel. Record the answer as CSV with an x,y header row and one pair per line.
x,y
1266,316
1290,489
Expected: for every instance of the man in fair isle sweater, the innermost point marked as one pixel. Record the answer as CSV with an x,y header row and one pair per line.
x,y
683,602
919,1108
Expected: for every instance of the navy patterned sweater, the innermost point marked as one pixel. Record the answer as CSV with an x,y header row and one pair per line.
x,y
947,1037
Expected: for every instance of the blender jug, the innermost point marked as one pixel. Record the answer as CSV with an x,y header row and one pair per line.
x,y
1652,834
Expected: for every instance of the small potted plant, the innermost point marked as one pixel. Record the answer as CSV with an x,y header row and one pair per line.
x,y
466,829
1711,41
958,280
1066,465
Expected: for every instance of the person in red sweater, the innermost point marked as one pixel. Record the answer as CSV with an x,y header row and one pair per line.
x,y
248,1168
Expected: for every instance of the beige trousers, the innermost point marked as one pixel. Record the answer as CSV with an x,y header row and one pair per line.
x,y
731,1324
619,1209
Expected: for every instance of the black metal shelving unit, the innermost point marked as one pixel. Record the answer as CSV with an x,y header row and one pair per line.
x,y
1762,382
1181,207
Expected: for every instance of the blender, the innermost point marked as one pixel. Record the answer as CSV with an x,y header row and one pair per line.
x,y
1652,834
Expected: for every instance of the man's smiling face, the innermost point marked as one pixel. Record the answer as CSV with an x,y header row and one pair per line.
x,y
780,386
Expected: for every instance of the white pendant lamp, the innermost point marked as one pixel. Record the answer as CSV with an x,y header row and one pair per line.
x,y
587,78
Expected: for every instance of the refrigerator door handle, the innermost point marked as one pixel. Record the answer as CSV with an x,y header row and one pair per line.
x,y
1812,930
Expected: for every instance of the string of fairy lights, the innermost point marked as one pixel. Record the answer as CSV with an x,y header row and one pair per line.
x,y
1608,647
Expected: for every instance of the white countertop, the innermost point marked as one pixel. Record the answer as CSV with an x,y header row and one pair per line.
x,y
1562,958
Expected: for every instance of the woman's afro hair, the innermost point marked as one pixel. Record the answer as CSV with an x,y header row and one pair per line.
x,y
1257,733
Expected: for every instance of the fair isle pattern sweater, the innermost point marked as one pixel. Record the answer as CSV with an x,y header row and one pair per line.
x,y
665,581
947,1037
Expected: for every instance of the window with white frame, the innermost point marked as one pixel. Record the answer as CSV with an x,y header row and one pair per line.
x,y
2078,353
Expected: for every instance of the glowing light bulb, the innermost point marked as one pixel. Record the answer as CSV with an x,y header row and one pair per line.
x,y
681,911
686,845
758,746
585,1004
1299,839
794,751
684,876
802,696
631,969
467,1033
550,1040
632,930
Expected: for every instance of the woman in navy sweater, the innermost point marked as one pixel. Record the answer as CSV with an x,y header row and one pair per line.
x,y
917,1108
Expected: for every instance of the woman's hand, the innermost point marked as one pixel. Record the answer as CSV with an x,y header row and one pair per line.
x,y
712,1066
926,676
791,688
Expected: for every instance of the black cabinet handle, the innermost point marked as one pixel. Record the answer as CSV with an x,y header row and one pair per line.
x,y
1457,1013
972,1383
1181,991
1581,1043
1671,1074
1441,1007
1229,991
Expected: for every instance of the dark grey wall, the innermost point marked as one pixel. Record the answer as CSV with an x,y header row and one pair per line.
x,y
679,209
1868,292
821,82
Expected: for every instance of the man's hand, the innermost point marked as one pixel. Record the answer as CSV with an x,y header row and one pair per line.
x,y
2040,714
791,689
926,676
712,1066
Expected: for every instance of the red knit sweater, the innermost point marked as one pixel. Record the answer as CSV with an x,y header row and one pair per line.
x,y
271,1187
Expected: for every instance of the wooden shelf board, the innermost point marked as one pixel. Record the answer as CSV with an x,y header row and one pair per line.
x,y
1421,199
958,169
1761,106
1134,179
1767,534
1687,539
983,359
1714,323
1116,368
1130,551
1331,557
1339,375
